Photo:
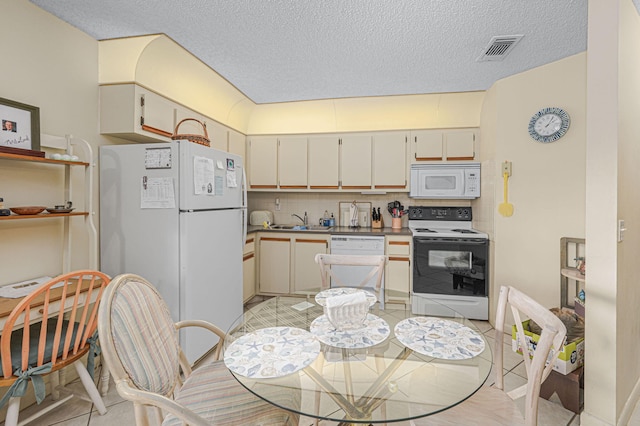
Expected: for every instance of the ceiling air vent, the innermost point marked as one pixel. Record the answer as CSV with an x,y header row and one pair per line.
x,y
499,47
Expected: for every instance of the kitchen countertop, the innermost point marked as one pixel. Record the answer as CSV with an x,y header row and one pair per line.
x,y
337,230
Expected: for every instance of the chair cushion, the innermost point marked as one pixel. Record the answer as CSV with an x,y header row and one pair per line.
x,y
488,406
34,337
145,338
214,394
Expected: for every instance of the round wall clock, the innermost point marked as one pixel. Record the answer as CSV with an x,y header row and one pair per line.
x,y
549,125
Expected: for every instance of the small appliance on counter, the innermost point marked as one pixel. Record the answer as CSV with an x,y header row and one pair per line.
x,y
258,217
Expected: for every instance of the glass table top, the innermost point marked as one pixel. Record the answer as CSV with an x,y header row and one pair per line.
x,y
398,366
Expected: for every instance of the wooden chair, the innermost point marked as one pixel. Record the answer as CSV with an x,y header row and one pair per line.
x,y
376,262
140,346
51,328
491,404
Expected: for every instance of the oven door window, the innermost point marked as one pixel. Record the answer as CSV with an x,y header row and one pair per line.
x,y
452,268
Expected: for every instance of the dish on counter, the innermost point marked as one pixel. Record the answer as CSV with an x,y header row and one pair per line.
x,y
27,210
54,210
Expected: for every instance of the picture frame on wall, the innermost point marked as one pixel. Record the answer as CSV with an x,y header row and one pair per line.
x,y
19,127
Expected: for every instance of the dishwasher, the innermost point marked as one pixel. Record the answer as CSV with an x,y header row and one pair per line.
x,y
360,245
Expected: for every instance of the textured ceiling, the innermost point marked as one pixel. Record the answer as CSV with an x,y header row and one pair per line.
x,y
289,50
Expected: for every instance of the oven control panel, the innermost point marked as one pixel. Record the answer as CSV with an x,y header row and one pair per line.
x,y
440,213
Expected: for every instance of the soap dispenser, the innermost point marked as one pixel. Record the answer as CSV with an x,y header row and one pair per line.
x,y
306,219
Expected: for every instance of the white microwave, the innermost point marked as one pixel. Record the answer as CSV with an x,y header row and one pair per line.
x,y
461,181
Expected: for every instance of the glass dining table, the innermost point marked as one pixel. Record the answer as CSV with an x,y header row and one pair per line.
x,y
397,366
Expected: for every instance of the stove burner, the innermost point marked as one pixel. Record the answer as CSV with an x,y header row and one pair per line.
x,y
464,231
424,230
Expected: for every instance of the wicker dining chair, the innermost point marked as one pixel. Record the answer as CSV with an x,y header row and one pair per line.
x,y
52,327
140,346
492,404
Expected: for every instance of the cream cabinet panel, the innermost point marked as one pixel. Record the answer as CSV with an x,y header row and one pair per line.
x,y
263,162
249,270
306,272
390,160
292,162
323,162
274,255
130,112
355,161
236,143
428,145
399,269
460,145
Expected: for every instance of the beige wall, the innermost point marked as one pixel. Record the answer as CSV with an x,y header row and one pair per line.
x,y
612,344
52,66
547,182
628,293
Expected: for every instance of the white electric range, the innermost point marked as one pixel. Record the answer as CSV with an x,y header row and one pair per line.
x,y
450,262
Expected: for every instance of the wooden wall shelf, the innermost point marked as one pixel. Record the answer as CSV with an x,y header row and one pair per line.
x,y
41,160
42,216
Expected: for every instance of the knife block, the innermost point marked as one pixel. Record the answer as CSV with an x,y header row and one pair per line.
x,y
377,223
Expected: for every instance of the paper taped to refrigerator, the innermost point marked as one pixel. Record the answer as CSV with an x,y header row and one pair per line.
x,y
157,193
203,175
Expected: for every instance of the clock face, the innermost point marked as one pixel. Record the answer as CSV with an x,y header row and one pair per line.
x,y
549,125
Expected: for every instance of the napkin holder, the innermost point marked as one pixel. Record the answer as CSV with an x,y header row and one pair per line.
x,y
348,316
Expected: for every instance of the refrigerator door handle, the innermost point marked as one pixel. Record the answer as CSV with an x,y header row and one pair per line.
x,y
244,207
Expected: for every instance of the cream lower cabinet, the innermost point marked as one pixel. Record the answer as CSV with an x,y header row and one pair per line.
x,y
249,269
286,262
399,269
306,272
274,261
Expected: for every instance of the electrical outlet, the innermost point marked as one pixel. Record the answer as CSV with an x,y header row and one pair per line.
x,y
506,168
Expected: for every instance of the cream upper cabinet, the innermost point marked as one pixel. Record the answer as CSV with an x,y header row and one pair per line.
x,y
263,162
428,145
390,160
274,257
236,144
443,145
460,145
131,112
323,162
306,272
355,161
292,162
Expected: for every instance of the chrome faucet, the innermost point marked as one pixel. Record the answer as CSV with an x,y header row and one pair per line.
x,y
305,220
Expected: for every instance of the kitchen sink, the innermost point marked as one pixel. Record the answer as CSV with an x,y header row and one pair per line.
x,y
301,227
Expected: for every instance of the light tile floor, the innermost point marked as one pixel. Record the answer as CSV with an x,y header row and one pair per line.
x,y
120,412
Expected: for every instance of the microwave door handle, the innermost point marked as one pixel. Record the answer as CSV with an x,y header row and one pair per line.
x,y
470,260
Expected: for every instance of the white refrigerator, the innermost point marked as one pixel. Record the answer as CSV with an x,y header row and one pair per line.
x,y
175,213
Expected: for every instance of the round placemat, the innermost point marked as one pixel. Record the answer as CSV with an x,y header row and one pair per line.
x,y
272,352
374,330
439,338
321,298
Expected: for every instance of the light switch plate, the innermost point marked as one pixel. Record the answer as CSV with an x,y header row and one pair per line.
x,y
621,229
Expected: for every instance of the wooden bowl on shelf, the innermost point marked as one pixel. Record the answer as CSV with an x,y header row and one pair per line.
x,y
28,210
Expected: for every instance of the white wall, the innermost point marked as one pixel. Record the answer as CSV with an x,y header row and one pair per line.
x,y
52,66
